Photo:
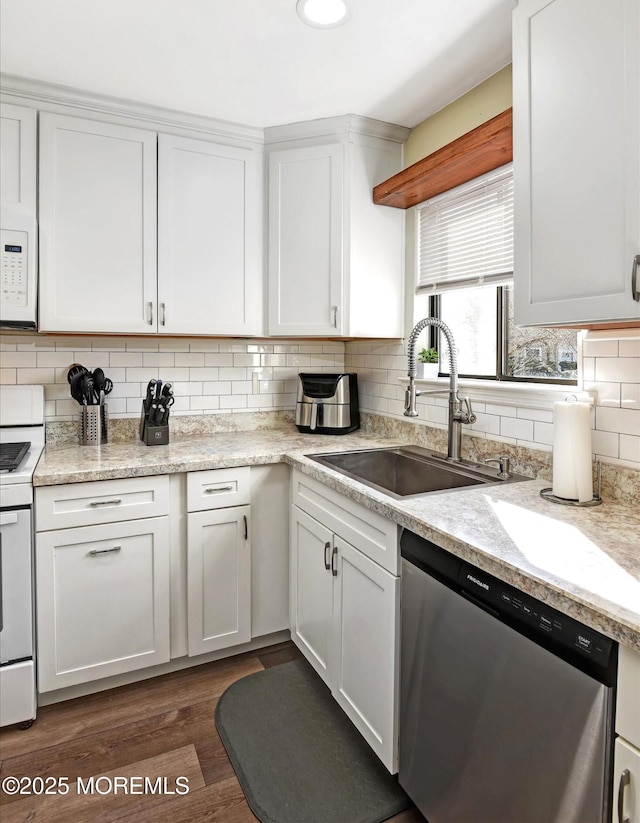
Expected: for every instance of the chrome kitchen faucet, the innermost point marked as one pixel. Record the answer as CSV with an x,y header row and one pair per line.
x,y
457,414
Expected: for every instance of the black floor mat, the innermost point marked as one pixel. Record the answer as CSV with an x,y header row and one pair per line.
x,y
298,757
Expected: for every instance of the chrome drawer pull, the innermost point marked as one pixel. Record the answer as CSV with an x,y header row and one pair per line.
x,y
213,490
625,780
327,546
95,503
105,551
635,289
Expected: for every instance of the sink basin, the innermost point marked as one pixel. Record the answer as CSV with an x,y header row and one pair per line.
x,y
409,470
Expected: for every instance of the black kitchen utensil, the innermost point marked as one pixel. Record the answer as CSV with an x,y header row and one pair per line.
x,y
75,369
151,385
99,381
75,387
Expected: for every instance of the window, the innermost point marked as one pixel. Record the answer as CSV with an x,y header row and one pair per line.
x,y
464,277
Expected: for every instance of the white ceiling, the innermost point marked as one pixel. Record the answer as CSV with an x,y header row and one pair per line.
x,y
254,61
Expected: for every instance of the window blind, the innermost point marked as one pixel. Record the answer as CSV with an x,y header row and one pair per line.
x,y
465,236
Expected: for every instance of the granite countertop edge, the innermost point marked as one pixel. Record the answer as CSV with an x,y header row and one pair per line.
x,y
606,534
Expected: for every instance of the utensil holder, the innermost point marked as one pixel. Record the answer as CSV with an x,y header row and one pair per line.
x,y
93,425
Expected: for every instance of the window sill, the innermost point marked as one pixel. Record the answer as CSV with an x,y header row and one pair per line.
x,y
523,395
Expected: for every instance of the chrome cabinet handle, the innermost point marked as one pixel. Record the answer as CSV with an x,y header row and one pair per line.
x,y
334,309
214,489
95,503
634,278
150,313
246,527
334,554
105,551
163,306
327,546
625,780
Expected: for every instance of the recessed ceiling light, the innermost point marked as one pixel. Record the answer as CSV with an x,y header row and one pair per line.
x,y
322,14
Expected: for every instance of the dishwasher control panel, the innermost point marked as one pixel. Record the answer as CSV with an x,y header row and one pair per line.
x,y
509,601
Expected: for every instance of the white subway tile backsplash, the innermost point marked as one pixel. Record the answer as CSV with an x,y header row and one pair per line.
x,y
630,346
600,348
607,394
623,421
127,359
618,369
543,433
605,444
629,448
19,359
630,396
518,429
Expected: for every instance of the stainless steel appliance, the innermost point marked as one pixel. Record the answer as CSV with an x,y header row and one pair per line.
x,y
21,443
327,403
506,705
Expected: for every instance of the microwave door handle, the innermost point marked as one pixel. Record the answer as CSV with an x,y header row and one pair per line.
x,y
314,416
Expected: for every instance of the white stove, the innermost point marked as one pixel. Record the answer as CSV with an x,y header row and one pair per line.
x,y
21,444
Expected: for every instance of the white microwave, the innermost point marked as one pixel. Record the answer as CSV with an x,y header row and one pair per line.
x,y
18,272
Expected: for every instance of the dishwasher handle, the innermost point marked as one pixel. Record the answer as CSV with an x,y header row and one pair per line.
x,y
479,603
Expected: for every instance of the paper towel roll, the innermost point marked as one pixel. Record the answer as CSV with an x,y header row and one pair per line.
x,y
572,477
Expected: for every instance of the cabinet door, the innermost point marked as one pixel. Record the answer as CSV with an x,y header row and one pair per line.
x,y
365,621
209,238
97,226
626,783
218,579
102,597
311,590
577,160
305,241
17,160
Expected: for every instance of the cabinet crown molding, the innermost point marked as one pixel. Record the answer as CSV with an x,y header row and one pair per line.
x,y
48,96
346,126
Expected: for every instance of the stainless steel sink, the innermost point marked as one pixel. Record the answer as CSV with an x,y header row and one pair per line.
x,y
410,470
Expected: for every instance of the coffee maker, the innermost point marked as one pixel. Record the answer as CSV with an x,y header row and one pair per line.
x,y
327,403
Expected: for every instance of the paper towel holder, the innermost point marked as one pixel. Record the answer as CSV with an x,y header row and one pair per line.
x,y
596,500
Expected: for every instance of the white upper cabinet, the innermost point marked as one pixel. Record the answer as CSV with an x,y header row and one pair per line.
x,y
209,238
146,233
17,160
335,258
576,107
97,226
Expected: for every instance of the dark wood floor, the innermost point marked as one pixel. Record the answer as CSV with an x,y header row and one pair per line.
x,y
162,727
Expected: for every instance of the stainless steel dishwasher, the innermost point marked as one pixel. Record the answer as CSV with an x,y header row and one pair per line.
x,y
506,705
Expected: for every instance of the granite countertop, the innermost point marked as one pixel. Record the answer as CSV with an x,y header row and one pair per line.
x,y
583,561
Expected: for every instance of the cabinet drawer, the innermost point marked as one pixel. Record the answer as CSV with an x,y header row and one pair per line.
x,y
218,488
367,530
101,501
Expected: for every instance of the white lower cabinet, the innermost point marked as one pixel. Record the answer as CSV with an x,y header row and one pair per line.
x,y
219,579
102,601
626,783
218,559
344,618
626,766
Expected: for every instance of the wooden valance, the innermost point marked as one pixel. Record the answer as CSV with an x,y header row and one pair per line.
x,y
478,151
